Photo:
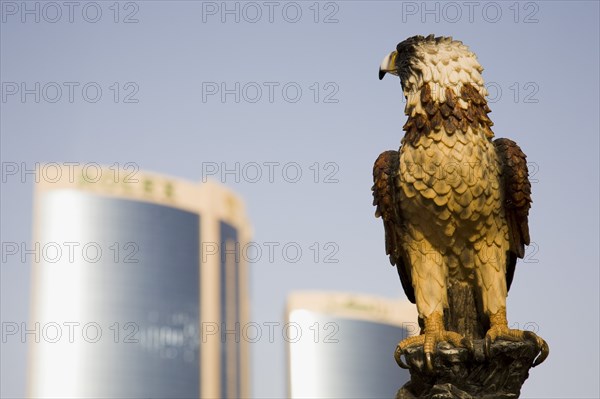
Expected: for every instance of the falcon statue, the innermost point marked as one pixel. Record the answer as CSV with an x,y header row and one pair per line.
x,y
454,202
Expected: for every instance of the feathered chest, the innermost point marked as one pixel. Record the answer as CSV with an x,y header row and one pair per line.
x,y
450,178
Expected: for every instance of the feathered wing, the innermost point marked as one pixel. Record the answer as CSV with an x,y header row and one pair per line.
x,y
517,200
386,200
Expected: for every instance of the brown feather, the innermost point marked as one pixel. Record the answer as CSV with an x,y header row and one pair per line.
x,y
386,200
448,114
517,199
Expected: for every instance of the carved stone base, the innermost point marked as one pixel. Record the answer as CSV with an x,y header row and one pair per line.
x,y
464,374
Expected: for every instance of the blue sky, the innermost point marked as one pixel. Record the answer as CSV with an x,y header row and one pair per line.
x,y
179,87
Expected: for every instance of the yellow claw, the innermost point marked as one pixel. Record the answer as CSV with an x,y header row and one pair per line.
x,y
499,330
434,332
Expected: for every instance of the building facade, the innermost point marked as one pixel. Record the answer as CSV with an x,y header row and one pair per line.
x,y
345,345
136,285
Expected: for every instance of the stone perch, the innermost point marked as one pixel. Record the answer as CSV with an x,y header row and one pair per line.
x,y
461,373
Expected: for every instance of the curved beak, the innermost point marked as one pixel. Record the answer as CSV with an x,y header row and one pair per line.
x,y
388,65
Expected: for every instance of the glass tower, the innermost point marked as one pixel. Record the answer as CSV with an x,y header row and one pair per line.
x,y
345,345
135,283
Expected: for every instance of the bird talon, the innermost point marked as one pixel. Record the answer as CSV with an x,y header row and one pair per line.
x,y
544,352
499,329
542,346
428,362
487,345
398,356
433,334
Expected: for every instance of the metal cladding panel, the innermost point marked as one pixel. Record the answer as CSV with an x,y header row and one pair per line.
x,y
129,295
336,357
230,311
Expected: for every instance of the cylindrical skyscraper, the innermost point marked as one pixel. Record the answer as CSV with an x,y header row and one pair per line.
x,y
345,345
137,286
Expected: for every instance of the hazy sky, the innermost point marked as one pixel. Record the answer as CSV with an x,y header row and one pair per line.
x,y
181,87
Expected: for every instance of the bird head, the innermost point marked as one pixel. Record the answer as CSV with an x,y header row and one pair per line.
x,y
438,61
